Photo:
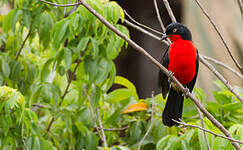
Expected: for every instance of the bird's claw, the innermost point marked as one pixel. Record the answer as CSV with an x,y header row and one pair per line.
x,y
171,74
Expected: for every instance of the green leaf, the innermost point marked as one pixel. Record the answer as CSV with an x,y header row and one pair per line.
x,y
126,83
118,95
45,71
5,69
59,31
83,44
67,57
95,48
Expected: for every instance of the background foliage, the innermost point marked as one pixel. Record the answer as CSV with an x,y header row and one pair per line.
x,y
33,86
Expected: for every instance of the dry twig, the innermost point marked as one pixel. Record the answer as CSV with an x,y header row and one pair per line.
x,y
223,65
203,129
155,62
169,10
158,16
216,73
220,35
151,123
240,3
203,126
101,127
22,45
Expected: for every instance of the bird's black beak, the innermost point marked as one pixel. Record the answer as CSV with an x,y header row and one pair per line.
x,y
164,37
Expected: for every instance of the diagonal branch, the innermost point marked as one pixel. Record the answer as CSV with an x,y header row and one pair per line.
x,y
220,35
223,65
61,5
203,129
216,73
169,10
240,3
22,45
155,62
142,25
158,16
64,94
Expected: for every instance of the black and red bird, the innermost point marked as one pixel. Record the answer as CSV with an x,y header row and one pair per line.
x,y
180,58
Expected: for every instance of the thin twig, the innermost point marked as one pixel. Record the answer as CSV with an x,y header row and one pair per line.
x,y
101,127
142,25
92,113
64,94
151,123
219,135
216,73
22,45
61,5
115,129
220,35
162,68
169,10
203,126
69,81
158,16
223,65
240,3
142,30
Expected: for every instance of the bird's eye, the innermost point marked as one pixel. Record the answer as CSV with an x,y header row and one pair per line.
x,y
174,30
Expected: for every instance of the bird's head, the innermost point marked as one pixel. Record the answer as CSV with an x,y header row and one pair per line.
x,y
177,31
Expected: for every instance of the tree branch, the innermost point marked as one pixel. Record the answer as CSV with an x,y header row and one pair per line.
x,y
151,123
223,65
115,129
169,10
22,45
158,16
61,5
101,127
203,126
162,68
92,113
220,35
216,73
142,25
240,3
64,94
203,129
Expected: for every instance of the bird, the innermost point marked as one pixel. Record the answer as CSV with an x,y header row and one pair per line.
x,y
181,60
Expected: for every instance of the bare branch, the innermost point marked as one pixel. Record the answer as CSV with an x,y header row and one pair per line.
x,y
220,35
240,3
162,68
115,129
61,5
101,127
203,129
203,126
216,73
64,94
22,45
169,10
158,16
92,114
151,123
223,65
142,25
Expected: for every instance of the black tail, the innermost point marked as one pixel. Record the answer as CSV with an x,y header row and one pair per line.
x,y
173,108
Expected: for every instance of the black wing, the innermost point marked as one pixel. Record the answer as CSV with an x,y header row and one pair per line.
x,y
192,83
163,79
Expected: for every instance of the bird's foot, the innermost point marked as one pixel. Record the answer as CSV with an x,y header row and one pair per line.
x,y
171,74
186,93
